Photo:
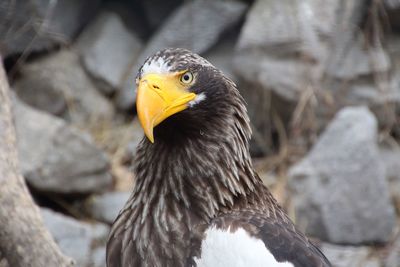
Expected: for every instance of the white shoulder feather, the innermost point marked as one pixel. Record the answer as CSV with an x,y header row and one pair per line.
x,y
222,248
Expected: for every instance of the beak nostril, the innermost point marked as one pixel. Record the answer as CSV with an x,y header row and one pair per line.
x,y
155,86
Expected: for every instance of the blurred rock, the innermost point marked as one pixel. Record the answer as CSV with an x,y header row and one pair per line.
x,y
393,258
221,55
3,261
392,9
57,158
75,238
196,25
280,48
108,51
287,27
349,256
356,60
340,193
36,25
287,78
99,257
157,10
360,69
106,207
391,160
58,84
135,136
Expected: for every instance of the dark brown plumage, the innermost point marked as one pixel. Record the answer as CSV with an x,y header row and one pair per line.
x,y
198,173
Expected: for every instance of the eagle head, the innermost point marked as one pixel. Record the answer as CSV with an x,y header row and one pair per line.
x,y
180,92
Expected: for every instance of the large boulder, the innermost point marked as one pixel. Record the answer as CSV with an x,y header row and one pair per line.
x,y
108,50
196,25
58,84
280,46
55,157
75,238
35,25
340,192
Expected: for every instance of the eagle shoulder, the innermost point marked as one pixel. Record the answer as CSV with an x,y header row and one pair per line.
x,y
249,238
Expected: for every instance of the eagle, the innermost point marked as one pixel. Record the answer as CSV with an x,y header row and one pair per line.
x,y
197,200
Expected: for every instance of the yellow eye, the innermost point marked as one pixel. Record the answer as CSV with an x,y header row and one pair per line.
x,y
187,77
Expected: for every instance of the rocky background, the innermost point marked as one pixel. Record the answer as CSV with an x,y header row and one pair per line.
x,y
322,82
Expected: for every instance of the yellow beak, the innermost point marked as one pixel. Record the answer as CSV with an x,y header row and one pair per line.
x,y
159,96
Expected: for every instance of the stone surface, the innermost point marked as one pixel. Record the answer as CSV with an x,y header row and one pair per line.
x,y
340,193
196,25
391,159
58,84
393,257
136,135
360,68
392,9
157,10
99,257
357,59
285,26
36,25
108,50
75,238
350,256
57,158
280,46
284,53
221,55
288,78
106,207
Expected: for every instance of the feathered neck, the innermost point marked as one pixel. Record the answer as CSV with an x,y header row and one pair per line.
x,y
203,173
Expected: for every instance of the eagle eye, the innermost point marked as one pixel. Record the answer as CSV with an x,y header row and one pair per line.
x,y
187,77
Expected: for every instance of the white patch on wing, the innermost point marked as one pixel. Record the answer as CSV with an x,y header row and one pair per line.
x,y
157,66
200,97
223,248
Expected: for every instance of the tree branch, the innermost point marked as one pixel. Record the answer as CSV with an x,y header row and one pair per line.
x,y
24,241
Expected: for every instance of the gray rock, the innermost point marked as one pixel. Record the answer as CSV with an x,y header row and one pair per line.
x,y
284,46
196,25
287,27
288,78
108,50
35,25
106,207
222,54
157,10
356,59
392,9
99,257
3,261
350,256
393,258
391,159
339,189
392,4
58,84
57,158
280,55
75,238
135,136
